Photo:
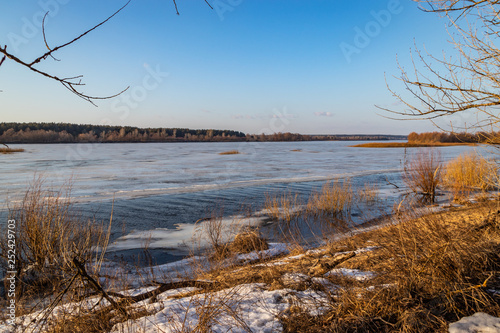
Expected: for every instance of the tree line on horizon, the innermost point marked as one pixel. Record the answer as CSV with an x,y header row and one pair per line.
x,y
452,137
75,133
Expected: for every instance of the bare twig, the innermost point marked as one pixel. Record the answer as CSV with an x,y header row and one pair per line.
x,y
83,273
45,38
43,57
70,83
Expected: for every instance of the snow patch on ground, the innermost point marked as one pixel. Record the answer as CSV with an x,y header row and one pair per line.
x,y
244,308
478,323
355,274
275,249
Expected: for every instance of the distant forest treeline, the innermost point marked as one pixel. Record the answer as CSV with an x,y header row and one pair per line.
x,y
463,137
73,133
68,133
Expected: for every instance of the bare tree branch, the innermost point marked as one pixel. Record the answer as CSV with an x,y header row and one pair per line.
x,y
70,83
43,57
444,86
45,38
177,10
74,82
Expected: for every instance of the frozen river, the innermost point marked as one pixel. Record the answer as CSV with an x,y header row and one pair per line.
x,y
159,190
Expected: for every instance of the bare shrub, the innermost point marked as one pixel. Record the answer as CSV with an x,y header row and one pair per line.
x,y
469,172
214,231
422,173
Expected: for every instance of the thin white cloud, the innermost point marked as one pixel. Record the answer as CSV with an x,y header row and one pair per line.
x,y
323,114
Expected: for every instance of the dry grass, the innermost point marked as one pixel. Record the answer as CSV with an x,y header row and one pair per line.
x,y
230,152
283,208
49,235
335,199
224,239
326,211
430,271
368,193
470,172
422,173
215,232
10,150
248,241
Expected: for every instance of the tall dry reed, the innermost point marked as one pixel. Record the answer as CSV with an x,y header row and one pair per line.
x,y
470,172
335,199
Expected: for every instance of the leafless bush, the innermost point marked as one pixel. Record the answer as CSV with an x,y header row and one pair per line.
x,y
422,173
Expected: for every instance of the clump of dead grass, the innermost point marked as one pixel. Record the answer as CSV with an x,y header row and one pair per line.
x,y
227,239
230,152
283,208
368,193
248,241
470,172
335,198
10,150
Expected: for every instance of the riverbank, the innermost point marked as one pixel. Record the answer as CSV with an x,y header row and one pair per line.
x,y
413,273
411,144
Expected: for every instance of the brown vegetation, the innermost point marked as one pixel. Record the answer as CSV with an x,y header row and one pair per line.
x,y
284,207
437,139
248,241
422,173
409,144
334,199
10,150
230,152
49,236
452,137
69,133
426,272
470,172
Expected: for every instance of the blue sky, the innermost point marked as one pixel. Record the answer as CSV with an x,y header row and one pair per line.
x,y
307,66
